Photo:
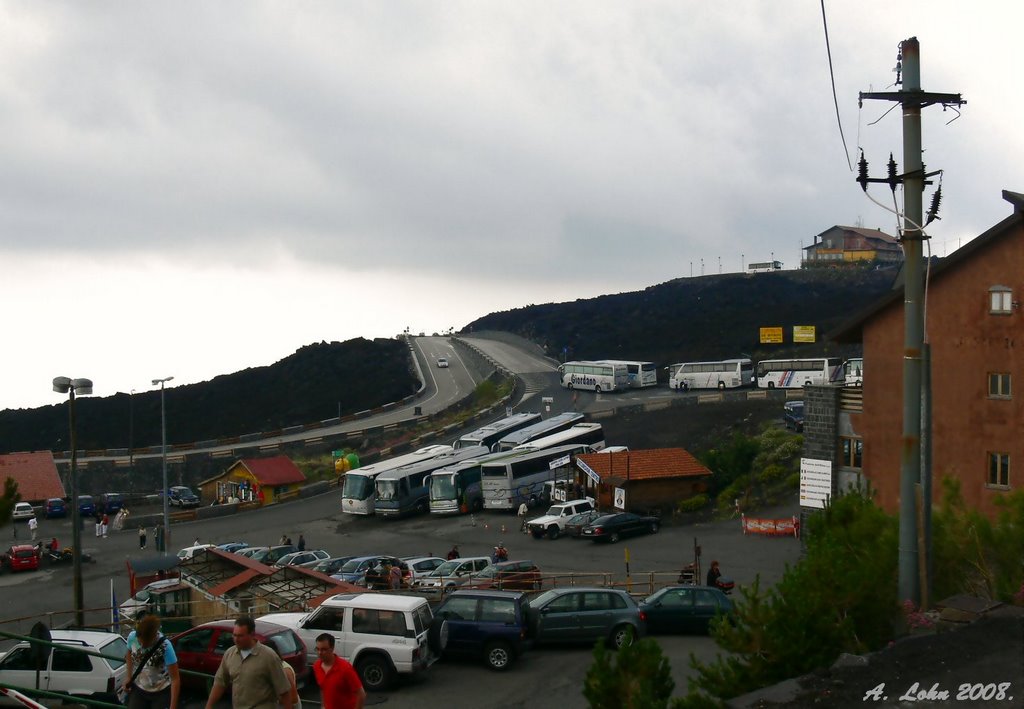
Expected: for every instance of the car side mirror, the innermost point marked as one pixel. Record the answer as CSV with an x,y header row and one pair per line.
x,y
545,610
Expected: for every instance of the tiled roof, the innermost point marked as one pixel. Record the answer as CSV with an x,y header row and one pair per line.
x,y
35,473
645,464
279,470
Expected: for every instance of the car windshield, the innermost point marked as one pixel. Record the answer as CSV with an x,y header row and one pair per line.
x,y
442,487
447,568
85,499
114,653
554,511
387,489
488,573
354,565
142,596
356,487
544,598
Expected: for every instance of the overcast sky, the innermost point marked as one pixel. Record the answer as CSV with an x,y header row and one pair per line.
x,y
188,189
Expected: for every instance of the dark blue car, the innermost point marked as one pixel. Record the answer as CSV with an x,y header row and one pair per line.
x,y
488,624
112,502
55,507
86,506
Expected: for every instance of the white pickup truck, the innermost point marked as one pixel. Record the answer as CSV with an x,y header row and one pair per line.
x,y
553,521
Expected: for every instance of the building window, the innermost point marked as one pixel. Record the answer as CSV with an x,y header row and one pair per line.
x,y
1000,300
999,469
851,452
999,385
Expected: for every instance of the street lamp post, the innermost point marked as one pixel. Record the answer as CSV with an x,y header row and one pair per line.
x,y
64,385
131,442
163,446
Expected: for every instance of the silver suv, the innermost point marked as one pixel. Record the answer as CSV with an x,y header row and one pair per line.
x,y
67,669
381,635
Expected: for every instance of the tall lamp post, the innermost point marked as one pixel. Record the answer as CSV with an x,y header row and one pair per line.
x,y
64,385
163,446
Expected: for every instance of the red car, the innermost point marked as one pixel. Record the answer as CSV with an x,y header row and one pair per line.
x,y
507,576
22,557
201,649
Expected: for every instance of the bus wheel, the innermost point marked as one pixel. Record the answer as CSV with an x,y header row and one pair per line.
x,y
771,385
597,389
569,385
721,386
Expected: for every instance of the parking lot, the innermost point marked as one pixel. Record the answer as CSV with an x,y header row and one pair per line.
x,y
543,677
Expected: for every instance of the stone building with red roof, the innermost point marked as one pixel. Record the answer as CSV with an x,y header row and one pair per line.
x,y
655,478
35,473
263,480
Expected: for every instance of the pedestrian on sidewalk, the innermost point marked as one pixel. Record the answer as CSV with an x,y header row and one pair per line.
x,y
33,525
105,524
142,536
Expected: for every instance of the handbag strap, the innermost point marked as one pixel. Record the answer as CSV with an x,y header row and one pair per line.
x,y
146,658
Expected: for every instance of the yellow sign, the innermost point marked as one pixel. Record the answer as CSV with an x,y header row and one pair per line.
x,y
771,335
803,333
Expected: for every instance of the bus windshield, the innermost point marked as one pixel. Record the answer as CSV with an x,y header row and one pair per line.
x,y
356,487
442,487
387,490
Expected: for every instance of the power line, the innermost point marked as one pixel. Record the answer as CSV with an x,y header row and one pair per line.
x,y
835,99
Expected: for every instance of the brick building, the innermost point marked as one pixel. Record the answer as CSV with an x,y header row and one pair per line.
x,y
656,478
973,324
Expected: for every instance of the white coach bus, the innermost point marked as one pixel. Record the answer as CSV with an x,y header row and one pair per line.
x,y
641,374
723,374
796,373
599,376
358,491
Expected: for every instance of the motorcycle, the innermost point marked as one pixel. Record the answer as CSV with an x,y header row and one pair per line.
x,y
60,556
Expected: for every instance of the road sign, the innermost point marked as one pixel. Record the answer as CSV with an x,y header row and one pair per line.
x,y
620,498
803,333
771,335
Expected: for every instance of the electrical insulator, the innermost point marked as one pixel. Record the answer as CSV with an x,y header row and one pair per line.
x,y
933,211
862,172
893,179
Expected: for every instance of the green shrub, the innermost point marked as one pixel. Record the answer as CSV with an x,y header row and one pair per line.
x,y
692,504
637,676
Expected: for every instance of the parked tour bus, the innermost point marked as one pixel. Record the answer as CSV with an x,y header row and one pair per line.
x,y
591,434
457,489
490,434
358,491
559,422
406,490
599,376
853,372
520,478
722,374
641,374
796,373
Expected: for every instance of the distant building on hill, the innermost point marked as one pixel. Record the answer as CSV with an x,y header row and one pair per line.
x,y
849,245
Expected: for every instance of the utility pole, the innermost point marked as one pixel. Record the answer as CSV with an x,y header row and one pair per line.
x,y
913,99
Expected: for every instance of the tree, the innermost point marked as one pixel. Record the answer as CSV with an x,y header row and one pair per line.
x,y
637,676
8,500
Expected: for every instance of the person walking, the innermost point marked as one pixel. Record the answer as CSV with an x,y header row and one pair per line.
x,y
252,670
714,573
105,524
454,553
142,536
152,679
302,542
98,518
33,526
523,511
395,577
339,684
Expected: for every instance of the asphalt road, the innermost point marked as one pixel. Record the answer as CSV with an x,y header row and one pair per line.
x,y
546,677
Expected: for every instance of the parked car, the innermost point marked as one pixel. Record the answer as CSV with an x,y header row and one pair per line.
x,y
488,624
232,547
270,555
21,557
451,574
202,648
69,671
611,528
22,511
139,604
188,552
793,415
551,523
86,506
296,558
249,551
507,575
181,496
442,362
112,502
573,527
382,635
55,507
329,566
420,566
572,615
354,570
684,609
